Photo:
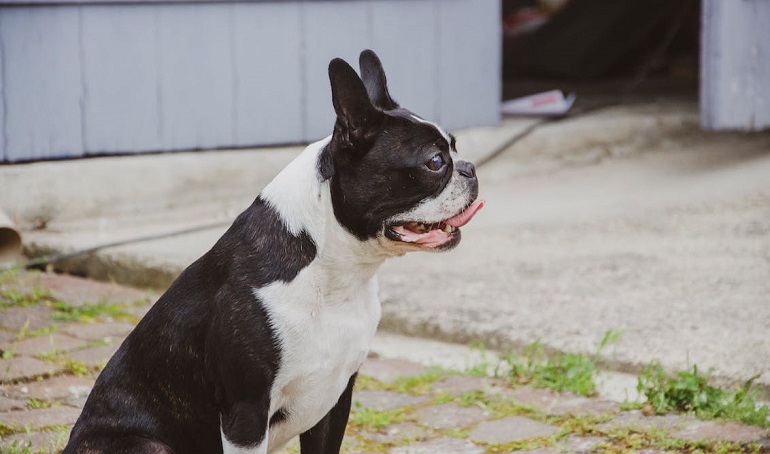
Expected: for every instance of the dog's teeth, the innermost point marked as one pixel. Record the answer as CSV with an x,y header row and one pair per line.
x,y
448,228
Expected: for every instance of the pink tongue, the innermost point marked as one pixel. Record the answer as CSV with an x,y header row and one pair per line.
x,y
466,216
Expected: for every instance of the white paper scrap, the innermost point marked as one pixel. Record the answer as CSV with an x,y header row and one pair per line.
x,y
542,104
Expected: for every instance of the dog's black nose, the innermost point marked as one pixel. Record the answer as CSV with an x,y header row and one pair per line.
x,y
466,169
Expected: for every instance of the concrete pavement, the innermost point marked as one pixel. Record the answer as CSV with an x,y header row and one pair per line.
x,y
628,218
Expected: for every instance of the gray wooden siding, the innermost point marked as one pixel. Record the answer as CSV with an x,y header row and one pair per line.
x,y
735,65
85,78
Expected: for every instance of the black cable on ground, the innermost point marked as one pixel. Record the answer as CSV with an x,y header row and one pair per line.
x,y
55,258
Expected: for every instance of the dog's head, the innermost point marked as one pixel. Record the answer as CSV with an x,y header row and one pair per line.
x,y
394,177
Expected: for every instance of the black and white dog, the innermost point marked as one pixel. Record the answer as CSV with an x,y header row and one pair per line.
x,y
260,339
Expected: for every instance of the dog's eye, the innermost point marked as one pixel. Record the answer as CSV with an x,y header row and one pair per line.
x,y
435,163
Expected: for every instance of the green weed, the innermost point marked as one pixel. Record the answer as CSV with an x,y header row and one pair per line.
x,y
6,430
417,384
573,372
482,368
66,312
14,298
39,403
497,406
565,372
689,391
77,368
69,365
45,331
371,420
456,433
17,447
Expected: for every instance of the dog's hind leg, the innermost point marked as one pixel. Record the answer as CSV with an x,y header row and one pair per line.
x,y
118,445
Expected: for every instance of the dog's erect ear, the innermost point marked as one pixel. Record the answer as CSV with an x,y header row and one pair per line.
x,y
375,81
356,116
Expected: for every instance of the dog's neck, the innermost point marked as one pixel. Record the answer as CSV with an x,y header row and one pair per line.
x,y
304,203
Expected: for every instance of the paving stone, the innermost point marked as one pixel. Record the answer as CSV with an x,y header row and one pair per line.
x,y
43,417
721,431
579,445
460,385
387,370
46,344
447,416
8,404
441,445
23,367
65,388
512,428
536,451
138,311
545,400
385,400
33,317
111,331
78,291
583,407
636,420
52,441
7,335
399,433
94,357
349,444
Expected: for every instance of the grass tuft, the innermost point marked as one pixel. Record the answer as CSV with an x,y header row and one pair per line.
x,y
565,372
371,420
689,391
65,312
573,372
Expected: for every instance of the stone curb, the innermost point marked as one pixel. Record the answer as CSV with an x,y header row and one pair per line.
x,y
582,140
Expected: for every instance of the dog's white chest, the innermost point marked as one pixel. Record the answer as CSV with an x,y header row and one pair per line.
x,y
324,327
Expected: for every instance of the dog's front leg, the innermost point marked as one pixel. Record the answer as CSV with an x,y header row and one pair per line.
x,y
326,436
244,428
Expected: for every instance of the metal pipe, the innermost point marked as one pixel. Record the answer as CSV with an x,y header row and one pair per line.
x,y
10,238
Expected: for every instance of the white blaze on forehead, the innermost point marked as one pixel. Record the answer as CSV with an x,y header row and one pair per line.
x,y
443,133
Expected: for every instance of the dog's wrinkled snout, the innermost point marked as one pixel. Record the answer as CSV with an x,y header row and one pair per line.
x,y
466,169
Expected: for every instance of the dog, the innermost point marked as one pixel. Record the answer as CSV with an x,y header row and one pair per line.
x,y
261,338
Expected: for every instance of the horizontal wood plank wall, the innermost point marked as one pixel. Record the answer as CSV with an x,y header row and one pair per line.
x,y
84,78
735,65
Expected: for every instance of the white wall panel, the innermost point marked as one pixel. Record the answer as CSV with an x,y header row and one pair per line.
x,y
196,76
331,29
405,37
735,65
267,42
469,62
120,71
42,82
95,77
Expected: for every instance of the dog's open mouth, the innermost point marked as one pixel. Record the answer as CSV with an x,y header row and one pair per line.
x,y
433,234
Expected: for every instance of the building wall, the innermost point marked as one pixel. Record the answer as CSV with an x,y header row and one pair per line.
x,y
82,78
735,65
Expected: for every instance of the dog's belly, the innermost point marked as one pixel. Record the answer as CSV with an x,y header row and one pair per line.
x,y
324,337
